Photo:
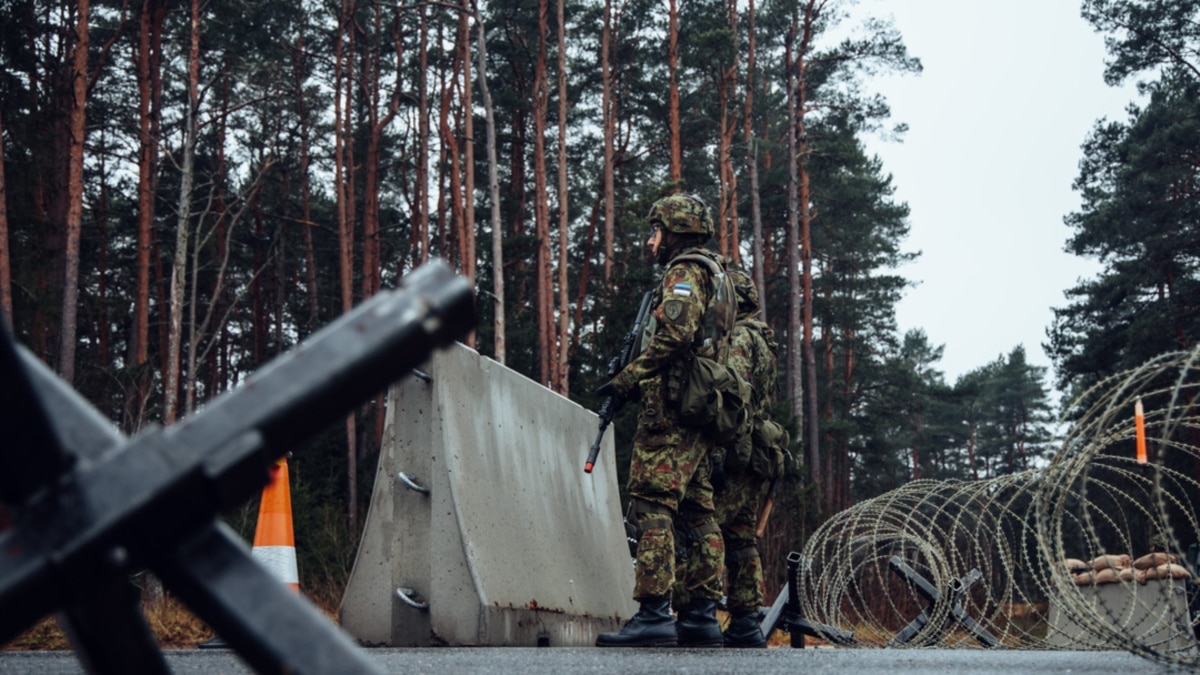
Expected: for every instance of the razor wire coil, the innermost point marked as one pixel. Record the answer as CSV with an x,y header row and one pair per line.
x,y
994,551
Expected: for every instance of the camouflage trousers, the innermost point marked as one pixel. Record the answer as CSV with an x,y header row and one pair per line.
x,y
737,512
669,474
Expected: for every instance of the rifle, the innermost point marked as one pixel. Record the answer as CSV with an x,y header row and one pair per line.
x,y
612,405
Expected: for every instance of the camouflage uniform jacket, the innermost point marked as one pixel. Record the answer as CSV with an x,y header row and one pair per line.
x,y
753,356
677,321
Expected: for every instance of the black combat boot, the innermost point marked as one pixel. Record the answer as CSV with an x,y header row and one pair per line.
x,y
652,626
697,625
744,631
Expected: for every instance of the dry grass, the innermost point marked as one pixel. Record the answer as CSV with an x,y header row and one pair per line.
x,y
45,635
173,624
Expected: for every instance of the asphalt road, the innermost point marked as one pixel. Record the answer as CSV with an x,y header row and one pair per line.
x,y
530,661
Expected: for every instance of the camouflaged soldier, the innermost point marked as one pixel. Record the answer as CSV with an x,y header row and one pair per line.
x,y
669,474
753,356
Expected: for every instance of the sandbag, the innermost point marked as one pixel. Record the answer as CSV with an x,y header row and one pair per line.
x,y
1106,561
1167,571
1076,566
1153,560
1108,575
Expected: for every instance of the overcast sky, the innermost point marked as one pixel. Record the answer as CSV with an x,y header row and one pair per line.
x,y
1008,94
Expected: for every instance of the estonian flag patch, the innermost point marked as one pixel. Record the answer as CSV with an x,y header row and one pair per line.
x,y
682,289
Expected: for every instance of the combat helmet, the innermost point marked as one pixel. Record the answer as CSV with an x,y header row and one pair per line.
x,y
682,214
747,293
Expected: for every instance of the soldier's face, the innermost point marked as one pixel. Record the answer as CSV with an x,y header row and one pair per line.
x,y
655,241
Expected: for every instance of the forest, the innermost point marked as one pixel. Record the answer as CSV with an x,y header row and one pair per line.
x,y
188,189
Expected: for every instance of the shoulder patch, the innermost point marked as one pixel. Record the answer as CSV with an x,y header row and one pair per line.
x,y
681,288
673,309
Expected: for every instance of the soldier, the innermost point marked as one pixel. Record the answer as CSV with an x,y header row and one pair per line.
x,y
669,474
752,356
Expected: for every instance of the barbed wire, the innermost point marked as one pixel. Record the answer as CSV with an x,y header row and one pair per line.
x,y
1051,558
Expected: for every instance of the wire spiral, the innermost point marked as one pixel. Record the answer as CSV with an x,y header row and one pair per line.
x,y
988,563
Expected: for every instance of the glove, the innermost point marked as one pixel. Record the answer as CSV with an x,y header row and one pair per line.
x,y
607,389
718,478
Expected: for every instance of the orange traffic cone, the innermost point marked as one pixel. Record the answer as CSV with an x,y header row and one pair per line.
x,y
274,545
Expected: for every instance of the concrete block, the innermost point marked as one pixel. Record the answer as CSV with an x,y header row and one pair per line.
x,y
1110,616
513,544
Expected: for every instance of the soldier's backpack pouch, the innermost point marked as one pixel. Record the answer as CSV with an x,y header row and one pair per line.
x,y
769,451
737,457
714,397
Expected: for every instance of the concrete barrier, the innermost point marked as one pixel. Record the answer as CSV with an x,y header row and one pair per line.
x,y
1154,615
483,528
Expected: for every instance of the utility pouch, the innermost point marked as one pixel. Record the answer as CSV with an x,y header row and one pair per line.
x,y
716,398
769,442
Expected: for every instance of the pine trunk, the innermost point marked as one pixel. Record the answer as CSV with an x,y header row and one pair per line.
x,y
792,370
421,193
541,204
730,241
466,111
673,91
756,245
306,222
564,309
494,195
609,125
171,382
74,221
343,177
149,62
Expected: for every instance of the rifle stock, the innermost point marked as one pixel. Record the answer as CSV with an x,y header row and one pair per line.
x,y
612,405
765,514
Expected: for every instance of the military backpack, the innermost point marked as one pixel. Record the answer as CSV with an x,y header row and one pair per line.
x,y
762,447
713,396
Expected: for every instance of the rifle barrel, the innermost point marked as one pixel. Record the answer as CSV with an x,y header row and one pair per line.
x,y
590,462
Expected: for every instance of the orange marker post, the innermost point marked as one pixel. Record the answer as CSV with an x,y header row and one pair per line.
x,y
1139,421
274,545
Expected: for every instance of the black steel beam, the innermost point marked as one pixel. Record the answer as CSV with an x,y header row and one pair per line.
x,y
91,507
956,612
787,614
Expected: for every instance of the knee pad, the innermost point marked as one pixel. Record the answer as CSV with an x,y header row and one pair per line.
x,y
643,515
691,527
737,558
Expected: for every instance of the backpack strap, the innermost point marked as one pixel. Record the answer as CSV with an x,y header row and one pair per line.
x,y
713,267
722,318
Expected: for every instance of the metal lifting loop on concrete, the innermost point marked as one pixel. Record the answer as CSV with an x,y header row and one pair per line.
x,y
409,597
411,483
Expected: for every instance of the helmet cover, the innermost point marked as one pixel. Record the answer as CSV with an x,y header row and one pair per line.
x,y
747,293
682,214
